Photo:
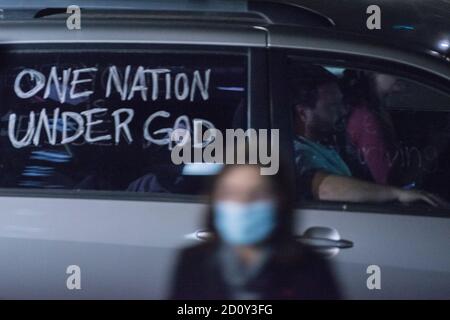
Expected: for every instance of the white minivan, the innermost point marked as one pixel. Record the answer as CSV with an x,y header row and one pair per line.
x,y
87,185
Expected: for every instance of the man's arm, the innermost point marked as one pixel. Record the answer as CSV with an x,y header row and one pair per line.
x,y
340,188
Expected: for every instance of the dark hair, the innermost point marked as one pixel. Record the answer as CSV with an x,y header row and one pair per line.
x,y
281,185
304,81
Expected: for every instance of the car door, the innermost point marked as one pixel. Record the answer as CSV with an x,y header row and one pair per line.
x,y
104,214
379,251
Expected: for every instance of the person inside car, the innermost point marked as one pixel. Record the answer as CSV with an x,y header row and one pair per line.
x,y
321,172
370,132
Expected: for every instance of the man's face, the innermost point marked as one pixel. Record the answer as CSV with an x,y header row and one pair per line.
x,y
323,118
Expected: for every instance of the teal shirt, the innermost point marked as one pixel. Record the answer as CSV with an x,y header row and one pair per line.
x,y
310,155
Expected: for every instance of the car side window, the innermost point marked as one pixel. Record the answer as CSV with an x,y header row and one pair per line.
x,y
101,119
359,132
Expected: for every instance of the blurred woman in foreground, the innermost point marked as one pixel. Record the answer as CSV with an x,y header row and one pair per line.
x,y
254,254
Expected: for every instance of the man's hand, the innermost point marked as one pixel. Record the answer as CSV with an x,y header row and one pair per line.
x,y
339,188
408,196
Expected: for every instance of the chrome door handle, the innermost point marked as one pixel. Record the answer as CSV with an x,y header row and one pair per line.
x,y
204,235
326,241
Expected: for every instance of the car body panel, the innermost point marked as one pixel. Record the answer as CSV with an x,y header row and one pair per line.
x,y
125,249
410,251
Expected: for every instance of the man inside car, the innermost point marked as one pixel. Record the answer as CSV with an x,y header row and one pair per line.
x,y
321,173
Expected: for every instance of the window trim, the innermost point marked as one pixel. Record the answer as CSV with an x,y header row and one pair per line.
x,y
101,195
201,200
372,208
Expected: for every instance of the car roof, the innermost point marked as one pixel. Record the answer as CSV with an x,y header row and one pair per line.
x,y
424,24
241,17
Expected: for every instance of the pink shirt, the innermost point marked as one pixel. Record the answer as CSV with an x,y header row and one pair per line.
x,y
366,134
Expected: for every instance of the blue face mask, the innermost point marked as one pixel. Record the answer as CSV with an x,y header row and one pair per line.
x,y
244,223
